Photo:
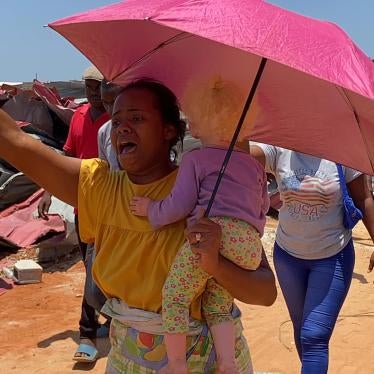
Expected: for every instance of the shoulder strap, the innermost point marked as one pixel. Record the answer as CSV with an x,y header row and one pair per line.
x,y
343,185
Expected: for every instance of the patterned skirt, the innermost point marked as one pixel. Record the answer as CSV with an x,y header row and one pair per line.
x,y
135,352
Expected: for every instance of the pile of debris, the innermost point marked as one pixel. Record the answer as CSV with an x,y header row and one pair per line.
x,y
41,112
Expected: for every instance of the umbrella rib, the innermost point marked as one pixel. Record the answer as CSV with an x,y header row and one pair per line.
x,y
174,39
357,118
234,139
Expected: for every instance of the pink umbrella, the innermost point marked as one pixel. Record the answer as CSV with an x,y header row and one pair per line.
x,y
316,91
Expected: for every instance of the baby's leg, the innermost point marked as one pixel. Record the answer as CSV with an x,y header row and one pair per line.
x,y
217,305
184,282
241,243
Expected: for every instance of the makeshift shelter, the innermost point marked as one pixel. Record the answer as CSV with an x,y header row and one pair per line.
x,y
45,115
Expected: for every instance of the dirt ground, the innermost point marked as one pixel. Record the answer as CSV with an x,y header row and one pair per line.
x,y
39,324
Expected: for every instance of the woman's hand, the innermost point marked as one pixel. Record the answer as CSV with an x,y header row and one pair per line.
x,y
371,263
205,240
249,286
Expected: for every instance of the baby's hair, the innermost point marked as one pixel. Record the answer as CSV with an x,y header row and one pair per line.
x,y
214,107
168,105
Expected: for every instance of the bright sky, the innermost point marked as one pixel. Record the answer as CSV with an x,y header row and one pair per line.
x,y
28,48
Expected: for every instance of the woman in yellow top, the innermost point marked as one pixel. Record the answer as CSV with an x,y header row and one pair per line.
x,y
132,260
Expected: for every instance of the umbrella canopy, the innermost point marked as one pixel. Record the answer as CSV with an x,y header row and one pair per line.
x,y
316,94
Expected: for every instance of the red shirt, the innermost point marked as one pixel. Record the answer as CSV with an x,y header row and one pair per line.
x,y
82,137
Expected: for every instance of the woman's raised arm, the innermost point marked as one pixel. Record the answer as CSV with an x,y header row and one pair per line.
x,y
255,287
58,174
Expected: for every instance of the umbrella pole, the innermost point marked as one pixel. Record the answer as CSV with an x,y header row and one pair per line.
x,y
236,133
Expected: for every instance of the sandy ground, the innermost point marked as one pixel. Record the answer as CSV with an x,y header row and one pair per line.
x,y
39,324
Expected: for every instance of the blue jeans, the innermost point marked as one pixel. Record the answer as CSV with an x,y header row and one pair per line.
x,y
314,291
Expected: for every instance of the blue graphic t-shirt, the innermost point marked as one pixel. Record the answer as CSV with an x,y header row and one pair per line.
x,y
311,216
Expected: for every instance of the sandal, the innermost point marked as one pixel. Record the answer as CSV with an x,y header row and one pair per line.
x,y
87,353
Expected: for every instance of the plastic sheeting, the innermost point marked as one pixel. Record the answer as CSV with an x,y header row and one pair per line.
x,y
20,227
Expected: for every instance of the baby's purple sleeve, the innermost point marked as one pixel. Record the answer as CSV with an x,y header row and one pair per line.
x,y
182,199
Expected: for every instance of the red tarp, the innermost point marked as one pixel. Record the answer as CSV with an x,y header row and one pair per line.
x,y
19,228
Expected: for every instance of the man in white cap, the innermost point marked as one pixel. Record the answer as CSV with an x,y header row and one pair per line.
x,y
82,143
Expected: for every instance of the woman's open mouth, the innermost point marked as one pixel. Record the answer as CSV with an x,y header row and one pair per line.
x,y
126,148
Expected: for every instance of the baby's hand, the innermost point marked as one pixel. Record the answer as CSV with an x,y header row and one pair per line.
x,y
139,206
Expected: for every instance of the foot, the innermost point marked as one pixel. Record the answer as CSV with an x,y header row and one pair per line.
x,y
86,351
174,368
